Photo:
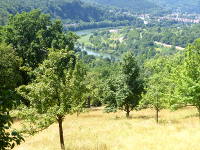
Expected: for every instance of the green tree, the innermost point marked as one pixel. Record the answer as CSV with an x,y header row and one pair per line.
x,y
32,33
110,86
9,80
54,90
79,88
130,84
1,35
188,77
156,85
100,71
109,94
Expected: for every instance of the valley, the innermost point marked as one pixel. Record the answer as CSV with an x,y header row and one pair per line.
x,y
99,74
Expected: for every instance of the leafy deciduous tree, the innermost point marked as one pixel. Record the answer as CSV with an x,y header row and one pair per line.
x,y
55,90
32,33
9,80
130,84
156,85
188,77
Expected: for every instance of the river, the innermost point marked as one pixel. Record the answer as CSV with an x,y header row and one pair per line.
x,y
89,52
83,32
97,54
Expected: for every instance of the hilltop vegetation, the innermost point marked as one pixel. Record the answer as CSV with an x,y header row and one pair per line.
x,y
153,6
188,6
63,9
134,5
70,11
95,13
94,10
75,14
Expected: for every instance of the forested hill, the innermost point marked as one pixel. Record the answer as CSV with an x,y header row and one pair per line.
x,y
149,6
189,6
135,5
67,10
86,11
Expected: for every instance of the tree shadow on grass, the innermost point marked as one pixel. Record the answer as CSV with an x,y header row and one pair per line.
x,y
16,119
164,122
90,115
141,117
191,116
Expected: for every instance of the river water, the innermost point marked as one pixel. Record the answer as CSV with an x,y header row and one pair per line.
x,y
89,52
97,54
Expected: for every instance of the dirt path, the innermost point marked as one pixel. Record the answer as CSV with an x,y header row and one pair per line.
x,y
168,46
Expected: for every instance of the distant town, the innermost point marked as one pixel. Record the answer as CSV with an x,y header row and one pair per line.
x,y
186,18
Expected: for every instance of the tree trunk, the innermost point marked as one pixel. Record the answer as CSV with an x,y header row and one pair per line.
x,y
88,102
198,111
157,111
127,114
78,112
157,108
60,120
127,111
199,114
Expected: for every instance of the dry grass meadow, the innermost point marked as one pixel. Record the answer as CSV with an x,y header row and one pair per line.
x,y
96,130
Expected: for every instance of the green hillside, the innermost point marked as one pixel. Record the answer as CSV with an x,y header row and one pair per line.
x,y
149,6
190,6
135,5
64,9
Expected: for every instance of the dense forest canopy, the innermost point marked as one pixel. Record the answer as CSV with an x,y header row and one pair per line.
x,y
188,6
134,5
84,14
149,6
75,14
63,9
68,10
87,11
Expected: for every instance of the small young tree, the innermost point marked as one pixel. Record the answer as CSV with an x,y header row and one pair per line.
x,y
109,95
155,96
130,84
55,87
78,86
156,85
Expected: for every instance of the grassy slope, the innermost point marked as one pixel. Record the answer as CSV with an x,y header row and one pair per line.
x,y
96,130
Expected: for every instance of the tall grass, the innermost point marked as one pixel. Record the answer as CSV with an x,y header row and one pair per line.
x,y
96,130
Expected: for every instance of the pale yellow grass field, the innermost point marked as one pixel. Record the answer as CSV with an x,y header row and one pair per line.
x,y
96,130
